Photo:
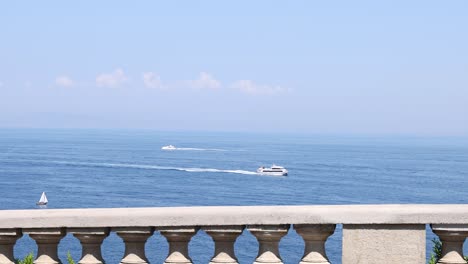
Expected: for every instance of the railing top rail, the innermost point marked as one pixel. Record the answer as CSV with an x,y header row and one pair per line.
x,y
237,215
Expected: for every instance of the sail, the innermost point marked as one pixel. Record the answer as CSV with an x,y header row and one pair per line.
x,y
43,199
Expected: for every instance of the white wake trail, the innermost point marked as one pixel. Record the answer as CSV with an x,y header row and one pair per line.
x,y
200,149
152,167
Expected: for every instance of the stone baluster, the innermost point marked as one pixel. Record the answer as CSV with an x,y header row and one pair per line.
x,y
452,238
8,239
47,240
135,239
224,238
314,237
178,239
268,237
91,240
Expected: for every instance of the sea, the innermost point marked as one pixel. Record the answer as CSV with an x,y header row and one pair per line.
x,y
81,168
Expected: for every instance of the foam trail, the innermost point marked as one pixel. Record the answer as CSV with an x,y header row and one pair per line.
x,y
217,170
199,149
152,167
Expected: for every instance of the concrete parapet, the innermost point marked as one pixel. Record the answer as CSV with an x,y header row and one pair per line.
x,y
371,233
370,243
236,215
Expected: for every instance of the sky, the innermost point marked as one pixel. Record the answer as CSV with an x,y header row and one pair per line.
x,y
327,67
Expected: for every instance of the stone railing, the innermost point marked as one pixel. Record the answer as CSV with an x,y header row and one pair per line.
x,y
371,233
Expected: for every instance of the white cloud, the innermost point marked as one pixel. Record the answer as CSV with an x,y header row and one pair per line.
x,y
1,84
113,79
205,81
64,81
249,87
151,80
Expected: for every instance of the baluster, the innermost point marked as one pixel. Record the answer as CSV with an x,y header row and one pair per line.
x,y
91,240
314,237
134,239
178,239
8,239
268,237
47,240
452,238
224,238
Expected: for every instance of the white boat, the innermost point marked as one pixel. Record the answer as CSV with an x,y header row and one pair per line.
x,y
43,200
169,147
273,170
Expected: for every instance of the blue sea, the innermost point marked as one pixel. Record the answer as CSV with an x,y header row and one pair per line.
x,y
127,168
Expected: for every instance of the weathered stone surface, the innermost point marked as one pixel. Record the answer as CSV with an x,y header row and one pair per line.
x,y
452,237
372,233
268,237
47,240
8,239
135,240
91,240
314,237
236,215
370,244
224,238
178,239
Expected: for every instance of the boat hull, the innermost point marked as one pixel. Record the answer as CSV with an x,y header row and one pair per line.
x,y
273,173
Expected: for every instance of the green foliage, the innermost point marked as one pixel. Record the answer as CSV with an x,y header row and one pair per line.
x,y
69,258
437,252
29,259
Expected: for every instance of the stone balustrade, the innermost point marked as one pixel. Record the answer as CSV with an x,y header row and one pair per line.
x,y
371,233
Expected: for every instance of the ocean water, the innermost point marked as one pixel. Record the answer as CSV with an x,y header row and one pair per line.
x,y
127,168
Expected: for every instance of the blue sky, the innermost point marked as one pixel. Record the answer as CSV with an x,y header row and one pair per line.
x,y
360,67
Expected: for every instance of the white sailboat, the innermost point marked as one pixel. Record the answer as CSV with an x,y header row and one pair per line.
x,y
43,200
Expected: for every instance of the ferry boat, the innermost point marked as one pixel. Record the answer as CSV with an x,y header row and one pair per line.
x,y
169,147
273,170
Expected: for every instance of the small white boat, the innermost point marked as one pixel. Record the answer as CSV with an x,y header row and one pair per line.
x,y
273,170
43,200
169,147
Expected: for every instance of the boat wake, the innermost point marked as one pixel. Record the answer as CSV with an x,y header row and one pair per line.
x,y
152,167
200,149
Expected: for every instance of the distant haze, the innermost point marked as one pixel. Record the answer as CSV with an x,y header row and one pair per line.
x,y
363,67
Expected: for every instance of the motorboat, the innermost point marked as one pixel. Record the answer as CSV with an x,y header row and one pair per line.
x,y
273,170
169,147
